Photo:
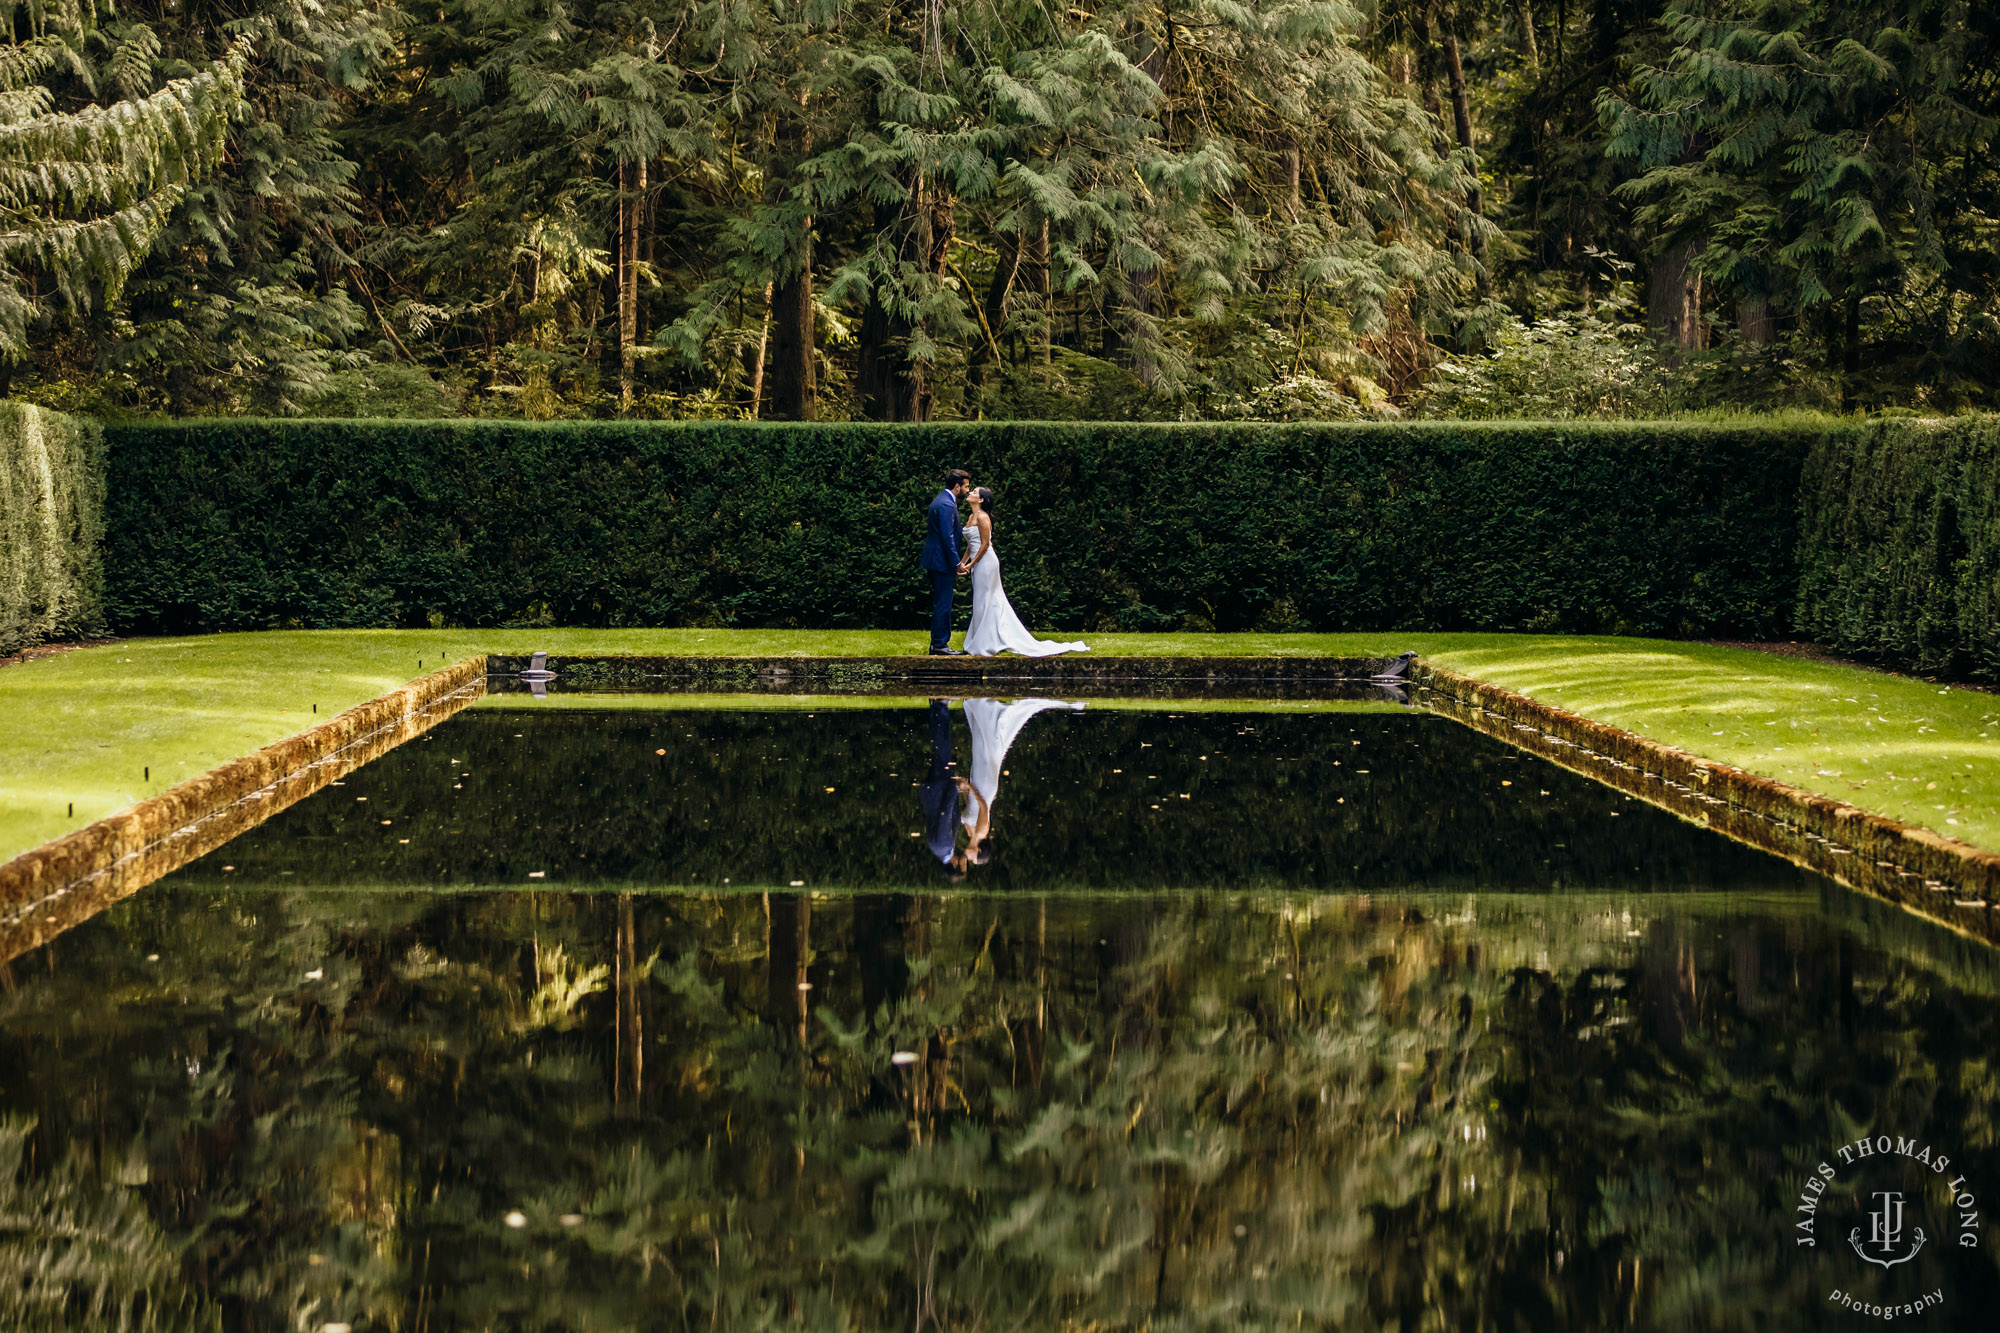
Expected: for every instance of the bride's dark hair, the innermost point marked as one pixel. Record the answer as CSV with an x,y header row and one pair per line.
x,y
985,498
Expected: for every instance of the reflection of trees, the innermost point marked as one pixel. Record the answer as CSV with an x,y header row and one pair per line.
x,y
1104,1186
1197,1112
1675,1104
78,1250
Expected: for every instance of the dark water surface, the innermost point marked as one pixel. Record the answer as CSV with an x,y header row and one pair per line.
x,y
1098,798
1313,1048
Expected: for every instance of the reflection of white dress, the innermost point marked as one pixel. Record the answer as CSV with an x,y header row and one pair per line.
x,y
994,726
995,628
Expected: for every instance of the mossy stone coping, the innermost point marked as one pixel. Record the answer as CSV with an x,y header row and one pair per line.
x,y
1077,668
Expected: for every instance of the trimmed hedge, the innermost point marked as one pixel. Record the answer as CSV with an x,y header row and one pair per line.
x,y
51,527
1639,528
1900,544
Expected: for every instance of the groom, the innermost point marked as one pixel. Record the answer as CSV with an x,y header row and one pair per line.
x,y
941,558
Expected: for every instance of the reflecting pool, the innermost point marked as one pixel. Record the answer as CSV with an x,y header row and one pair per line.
x,y
1060,795
1277,1018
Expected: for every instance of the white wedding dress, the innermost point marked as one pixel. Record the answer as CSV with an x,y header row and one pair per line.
x,y
994,726
995,628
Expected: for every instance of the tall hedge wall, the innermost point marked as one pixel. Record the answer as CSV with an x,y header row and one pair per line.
x,y
1591,526
51,527
1900,544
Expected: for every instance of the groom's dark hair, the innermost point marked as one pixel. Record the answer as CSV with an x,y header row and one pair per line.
x,y
955,478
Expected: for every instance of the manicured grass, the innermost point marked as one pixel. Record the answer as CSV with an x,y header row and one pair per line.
x,y
81,728
1925,754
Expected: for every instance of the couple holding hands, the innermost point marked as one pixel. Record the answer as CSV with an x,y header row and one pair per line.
x,y
952,551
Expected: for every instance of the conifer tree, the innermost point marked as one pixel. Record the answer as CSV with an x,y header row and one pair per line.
x,y
1818,159
87,187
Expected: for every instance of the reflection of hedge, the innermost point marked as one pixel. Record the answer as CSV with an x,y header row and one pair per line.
x,y
765,799
51,522
1590,526
1900,544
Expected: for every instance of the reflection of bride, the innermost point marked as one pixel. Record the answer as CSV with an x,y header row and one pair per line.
x,y
995,628
994,726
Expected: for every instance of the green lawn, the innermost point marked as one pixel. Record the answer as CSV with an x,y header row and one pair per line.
x,y
81,729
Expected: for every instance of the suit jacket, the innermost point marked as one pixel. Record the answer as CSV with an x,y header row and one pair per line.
x,y
939,796
941,534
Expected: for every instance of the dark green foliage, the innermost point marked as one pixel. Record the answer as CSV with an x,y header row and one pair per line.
x,y
51,525
1900,544
1828,155
1634,528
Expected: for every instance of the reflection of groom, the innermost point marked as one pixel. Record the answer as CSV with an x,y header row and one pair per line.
x,y
940,791
941,558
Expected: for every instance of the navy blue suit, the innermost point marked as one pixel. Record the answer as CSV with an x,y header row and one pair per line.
x,y
941,561
939,796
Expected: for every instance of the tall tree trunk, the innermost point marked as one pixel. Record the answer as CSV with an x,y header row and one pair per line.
x,y
1524,15
1143,301
1039,280
997,292
1427,63
1143,297
786,998
1850,346
757,364
794,367
1673,308
1755,321
940,230
631,199
1461,117
628,1077
892,386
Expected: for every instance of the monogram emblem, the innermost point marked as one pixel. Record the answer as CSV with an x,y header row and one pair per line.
x,y
1885,1232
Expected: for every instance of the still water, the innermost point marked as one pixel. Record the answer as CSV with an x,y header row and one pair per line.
x,y
1208,1020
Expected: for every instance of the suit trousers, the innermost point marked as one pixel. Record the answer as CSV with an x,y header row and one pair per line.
x,y
942,587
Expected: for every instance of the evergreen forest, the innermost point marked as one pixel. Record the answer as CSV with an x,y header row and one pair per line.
x,y
911,210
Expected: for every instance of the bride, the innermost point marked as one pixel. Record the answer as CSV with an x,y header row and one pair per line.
x,y
995,628
994,727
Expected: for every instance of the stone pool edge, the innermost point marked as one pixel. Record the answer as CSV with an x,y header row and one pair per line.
x,y
866,674
47,889
1939,878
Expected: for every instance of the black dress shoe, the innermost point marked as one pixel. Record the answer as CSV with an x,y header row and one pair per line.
x,y
948,652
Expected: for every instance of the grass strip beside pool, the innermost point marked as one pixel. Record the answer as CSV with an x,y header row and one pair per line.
x,y
91,732
1920,753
